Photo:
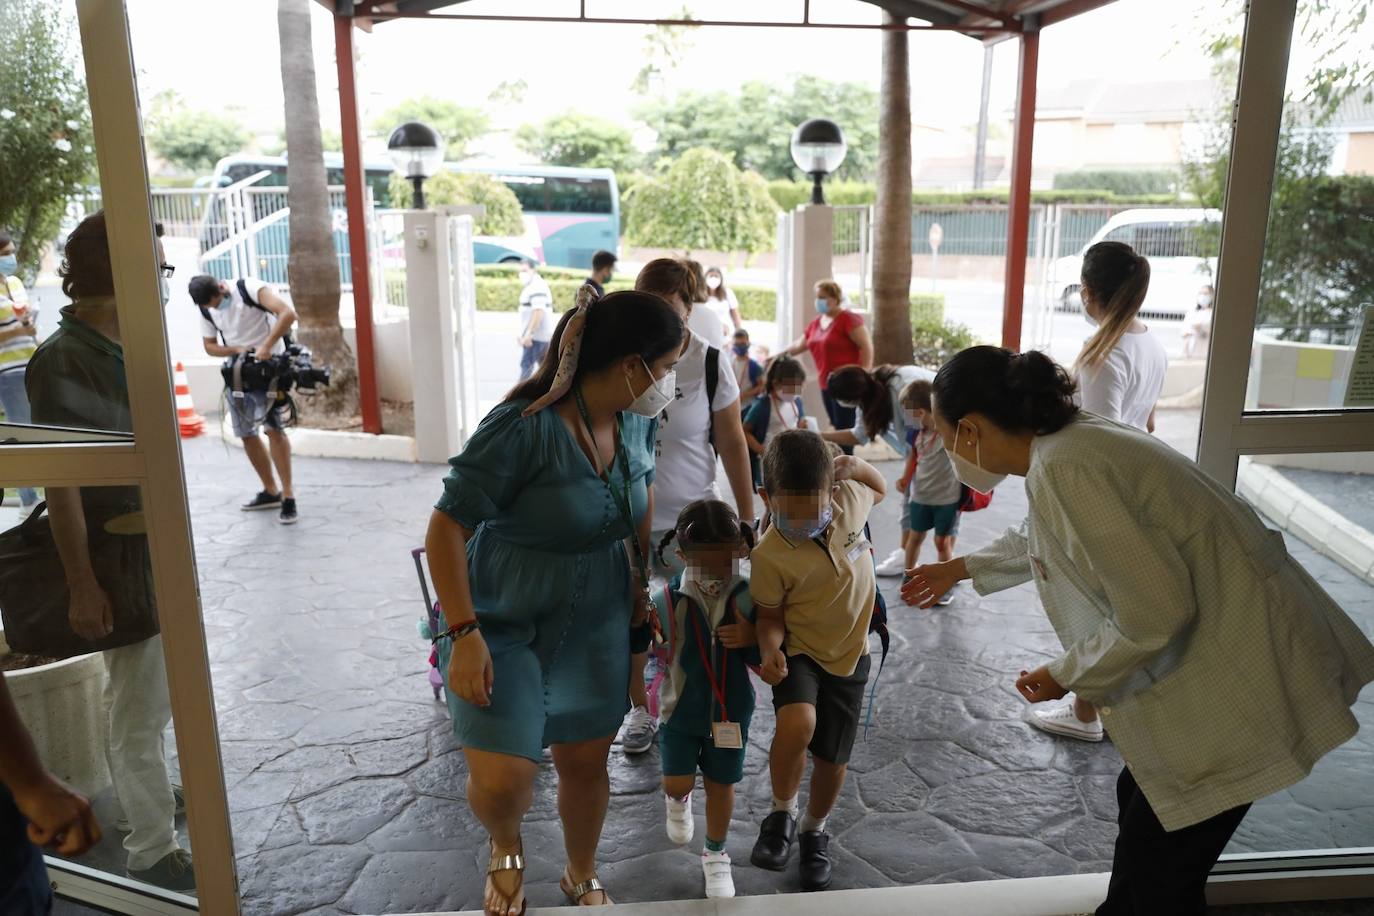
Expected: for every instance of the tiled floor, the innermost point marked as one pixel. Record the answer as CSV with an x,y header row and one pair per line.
x,y
347,786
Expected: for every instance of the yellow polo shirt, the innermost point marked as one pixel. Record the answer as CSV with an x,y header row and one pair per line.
x,y
826,593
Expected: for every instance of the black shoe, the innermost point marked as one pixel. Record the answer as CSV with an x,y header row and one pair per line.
x,y
263,500
815,860
774,845
288,512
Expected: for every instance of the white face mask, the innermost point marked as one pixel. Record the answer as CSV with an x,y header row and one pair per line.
x,y
971,473
651,401
713,282
1204,301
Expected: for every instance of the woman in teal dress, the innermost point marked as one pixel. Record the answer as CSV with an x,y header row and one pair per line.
x,y
537,549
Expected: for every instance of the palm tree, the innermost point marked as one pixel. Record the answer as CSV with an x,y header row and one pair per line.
x,y
313,266
892,212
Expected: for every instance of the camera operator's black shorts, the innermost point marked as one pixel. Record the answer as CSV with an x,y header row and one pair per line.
x,y
249,413
838,702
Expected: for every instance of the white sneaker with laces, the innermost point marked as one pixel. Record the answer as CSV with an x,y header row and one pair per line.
x,y
894,565
946,599
719,880
1062,720
680,822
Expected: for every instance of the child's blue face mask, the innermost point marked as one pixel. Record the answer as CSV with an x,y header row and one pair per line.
x,y
797,529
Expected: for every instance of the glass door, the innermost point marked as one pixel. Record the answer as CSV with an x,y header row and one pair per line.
x,y
103,645
1277,423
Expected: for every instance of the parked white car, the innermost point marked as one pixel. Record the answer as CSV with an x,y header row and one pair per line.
x,y
1181,254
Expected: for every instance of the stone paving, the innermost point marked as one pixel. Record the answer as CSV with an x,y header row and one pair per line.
x,y
346,785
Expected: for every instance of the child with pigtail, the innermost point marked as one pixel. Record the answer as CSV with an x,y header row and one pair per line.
x,y
706,699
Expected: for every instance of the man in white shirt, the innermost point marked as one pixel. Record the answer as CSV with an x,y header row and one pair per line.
x,y
536,318
248,316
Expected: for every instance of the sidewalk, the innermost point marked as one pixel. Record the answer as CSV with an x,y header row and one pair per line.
x,y
347,786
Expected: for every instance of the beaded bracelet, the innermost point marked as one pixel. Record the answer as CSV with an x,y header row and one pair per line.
x,y
457,632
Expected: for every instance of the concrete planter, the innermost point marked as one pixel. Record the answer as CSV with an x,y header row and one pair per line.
x,y
62,705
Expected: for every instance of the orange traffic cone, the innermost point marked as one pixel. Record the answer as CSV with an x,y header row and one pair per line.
x,y
188,421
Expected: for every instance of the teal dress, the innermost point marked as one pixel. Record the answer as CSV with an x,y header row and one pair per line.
x,y
549,576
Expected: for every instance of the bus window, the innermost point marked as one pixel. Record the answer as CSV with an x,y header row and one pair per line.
x,y
530,190
579,195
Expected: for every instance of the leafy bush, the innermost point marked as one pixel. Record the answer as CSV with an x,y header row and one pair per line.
x,y
497,294
504,214
702,203
934,342
927,308
1125,182
788,194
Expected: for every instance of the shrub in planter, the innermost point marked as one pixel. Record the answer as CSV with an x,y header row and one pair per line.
x,y
934,342
927,308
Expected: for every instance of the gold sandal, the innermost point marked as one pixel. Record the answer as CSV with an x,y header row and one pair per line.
x,y
576,892
509,862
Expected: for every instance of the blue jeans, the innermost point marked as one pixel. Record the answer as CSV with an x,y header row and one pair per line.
x,y
531,357
15,401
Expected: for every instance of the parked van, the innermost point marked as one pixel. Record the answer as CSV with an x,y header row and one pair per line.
x,y
1180,245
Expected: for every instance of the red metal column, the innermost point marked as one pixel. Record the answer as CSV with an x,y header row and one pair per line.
x,y
368,398
1018,214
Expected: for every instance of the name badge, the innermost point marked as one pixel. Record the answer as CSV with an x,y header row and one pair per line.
x,y
857,550
727,735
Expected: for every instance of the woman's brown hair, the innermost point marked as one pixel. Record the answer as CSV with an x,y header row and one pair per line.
x,y
867,389
668,277
1118,279
831,290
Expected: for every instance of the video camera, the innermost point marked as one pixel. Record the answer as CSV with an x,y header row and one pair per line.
x,y
291,368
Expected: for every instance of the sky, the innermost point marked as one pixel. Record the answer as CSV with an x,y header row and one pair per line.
x,y
233,63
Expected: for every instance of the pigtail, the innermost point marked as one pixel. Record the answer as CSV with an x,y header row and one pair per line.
x,y
663,545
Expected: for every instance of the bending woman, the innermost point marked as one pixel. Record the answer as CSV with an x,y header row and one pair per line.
x,y
1222,671
537,549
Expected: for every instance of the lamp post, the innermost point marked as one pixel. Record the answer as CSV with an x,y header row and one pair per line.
x,y
417,152
818,149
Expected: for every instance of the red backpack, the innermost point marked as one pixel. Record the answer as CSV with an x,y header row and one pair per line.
x,y
970,500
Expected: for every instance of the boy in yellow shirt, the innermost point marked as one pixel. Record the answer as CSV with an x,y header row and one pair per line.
x,y
813,588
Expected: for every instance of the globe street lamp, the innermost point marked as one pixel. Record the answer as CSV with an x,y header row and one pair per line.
x,y
417,152
818,149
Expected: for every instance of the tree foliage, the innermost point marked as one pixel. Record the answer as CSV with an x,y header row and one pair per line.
x,y
46,156
665,48
191,139
1318,267
702,203
504,214
580,141
458,124
755,124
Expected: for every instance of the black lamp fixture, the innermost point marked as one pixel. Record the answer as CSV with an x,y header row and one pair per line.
x,y
417,151
818,149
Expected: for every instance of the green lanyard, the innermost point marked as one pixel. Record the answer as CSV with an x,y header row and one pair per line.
x,y
621,498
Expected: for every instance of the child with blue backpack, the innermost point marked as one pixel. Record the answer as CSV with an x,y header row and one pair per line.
x,y
706,698
777,408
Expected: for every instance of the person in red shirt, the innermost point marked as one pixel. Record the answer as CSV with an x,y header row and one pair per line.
x,y
835,337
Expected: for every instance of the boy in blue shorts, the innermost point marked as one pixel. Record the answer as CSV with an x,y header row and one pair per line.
x,y
936,494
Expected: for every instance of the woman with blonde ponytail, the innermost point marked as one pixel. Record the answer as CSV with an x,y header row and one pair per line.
x,y
1121,369
1120,374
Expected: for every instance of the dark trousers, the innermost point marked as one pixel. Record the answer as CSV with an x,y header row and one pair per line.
x,y
1154,872
840,417
531,357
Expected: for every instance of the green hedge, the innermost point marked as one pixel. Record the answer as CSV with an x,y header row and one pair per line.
x,y
789,194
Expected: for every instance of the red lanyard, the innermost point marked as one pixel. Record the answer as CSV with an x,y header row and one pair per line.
x,y
706,663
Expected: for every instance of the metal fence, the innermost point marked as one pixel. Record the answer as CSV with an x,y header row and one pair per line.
x,y
388,251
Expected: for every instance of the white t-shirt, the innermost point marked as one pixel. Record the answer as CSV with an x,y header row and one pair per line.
x,y
686,468
241,324
710,320
1126,386
536,294
783,416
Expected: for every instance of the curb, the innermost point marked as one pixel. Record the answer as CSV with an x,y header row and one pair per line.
x,y
328,443
1323,528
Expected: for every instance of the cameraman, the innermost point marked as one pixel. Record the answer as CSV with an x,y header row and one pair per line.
x,y
248,316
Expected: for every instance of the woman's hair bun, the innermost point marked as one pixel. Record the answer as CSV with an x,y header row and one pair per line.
x,y
1042,392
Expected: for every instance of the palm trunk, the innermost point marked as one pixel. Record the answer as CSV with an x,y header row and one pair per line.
x,y
312,267
892,212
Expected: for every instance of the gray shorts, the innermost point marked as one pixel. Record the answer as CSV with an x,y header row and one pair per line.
x,y
249,413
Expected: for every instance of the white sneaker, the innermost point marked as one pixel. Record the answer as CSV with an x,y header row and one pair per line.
x,y
894,565
680,822
1062,720
719,881
946,599
640,729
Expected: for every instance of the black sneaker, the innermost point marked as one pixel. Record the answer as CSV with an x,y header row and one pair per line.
x,y
288,512
774,845
263,500
814,860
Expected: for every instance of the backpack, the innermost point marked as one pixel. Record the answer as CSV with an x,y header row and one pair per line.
x,y
248,300
970,500
712,382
